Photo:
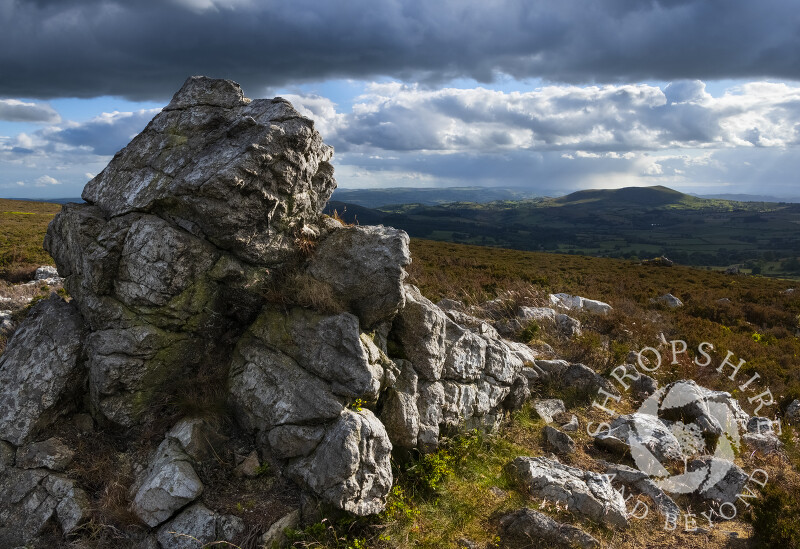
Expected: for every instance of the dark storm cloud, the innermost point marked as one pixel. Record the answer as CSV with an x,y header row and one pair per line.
x,y
146,48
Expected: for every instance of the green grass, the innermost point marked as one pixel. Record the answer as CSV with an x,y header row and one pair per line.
x,y
22,228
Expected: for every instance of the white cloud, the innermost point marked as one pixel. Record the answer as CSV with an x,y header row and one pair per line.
x,y
14,110
616,118
46,180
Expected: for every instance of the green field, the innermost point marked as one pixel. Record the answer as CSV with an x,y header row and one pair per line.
x,y
626,223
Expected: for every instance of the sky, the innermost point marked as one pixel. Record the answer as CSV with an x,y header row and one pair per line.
x,y
554,95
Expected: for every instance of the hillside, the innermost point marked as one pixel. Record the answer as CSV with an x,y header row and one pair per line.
x,y
625,223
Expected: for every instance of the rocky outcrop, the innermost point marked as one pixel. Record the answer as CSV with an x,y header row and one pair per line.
x,y
202,249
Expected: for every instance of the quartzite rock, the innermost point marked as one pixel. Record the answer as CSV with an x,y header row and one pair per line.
x,y
40,366
584,492
526,526
364,266
350,469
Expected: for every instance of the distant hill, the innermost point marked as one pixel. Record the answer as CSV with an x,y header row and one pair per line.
x,y
629,222
376,198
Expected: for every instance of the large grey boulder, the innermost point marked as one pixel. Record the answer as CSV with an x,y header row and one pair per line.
x,y
525,527
365,268
350,468
241,172
169,258
168,484
583,492
39,368
633,431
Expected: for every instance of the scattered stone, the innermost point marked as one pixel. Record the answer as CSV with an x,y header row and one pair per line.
x,y
583,492
30,498
561,442
39,368
584,379
498,492
249,466
793,412
670,301
572,302
45,272
275,537
732,270
548,408
661,261
572,425
526,526
468,544
51,454
198,525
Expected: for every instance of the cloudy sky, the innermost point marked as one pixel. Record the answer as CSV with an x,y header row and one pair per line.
x,y
555,95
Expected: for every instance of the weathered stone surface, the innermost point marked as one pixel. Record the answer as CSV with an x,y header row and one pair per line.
x,y
761,436
44,272
242,173
670,301
351,467
583,378
40,366
561,442
329,347
713,412
364,266
640,482
584,492
168,484
793,412
271,389
548,407
574,302
287,441
196,525
640,431
197,438
526,527
275,536
51,454
420,330
30,498
400,414
723,480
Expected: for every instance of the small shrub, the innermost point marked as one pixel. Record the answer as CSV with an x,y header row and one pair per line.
x,y
774,517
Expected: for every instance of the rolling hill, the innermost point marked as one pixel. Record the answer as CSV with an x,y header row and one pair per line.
x,y
634,222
